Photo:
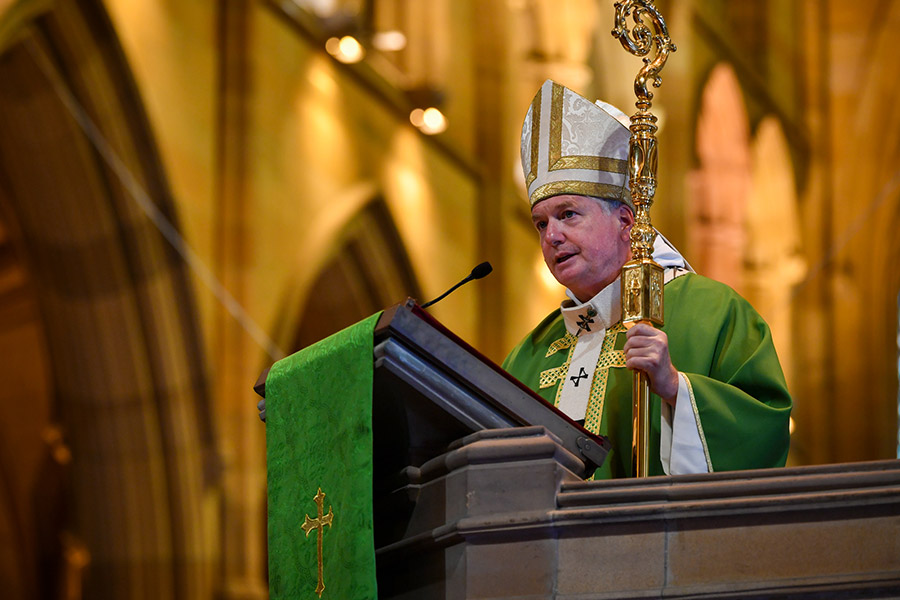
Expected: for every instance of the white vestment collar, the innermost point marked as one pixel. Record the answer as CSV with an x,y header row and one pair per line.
x,y
597,314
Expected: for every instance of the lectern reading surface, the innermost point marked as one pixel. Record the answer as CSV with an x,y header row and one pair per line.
x,y
443,389
432,388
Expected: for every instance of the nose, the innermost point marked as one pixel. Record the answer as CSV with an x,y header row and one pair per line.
x,y
553,234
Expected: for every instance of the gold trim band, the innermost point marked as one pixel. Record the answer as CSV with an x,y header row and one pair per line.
x,y
609,358
535,138
592,163
581,188
556,114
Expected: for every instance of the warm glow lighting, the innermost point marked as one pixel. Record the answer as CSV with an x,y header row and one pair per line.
x,y
432,121
322,80
545,276
346,49
333,46
321,8
417,117
791,426
389,41
351,48
410,187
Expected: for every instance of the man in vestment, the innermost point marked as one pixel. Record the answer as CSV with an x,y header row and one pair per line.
x,y
719,400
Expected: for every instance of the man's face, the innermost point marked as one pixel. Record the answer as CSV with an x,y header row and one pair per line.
x,y
583,246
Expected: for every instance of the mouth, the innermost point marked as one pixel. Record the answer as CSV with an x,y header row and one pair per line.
x,y
560,259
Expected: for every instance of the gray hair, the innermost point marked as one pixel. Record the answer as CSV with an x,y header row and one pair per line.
x,y
609,205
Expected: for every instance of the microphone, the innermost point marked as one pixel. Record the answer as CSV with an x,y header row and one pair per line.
x,y
478,272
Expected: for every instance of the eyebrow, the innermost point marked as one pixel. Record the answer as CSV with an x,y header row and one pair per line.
x,y
568,204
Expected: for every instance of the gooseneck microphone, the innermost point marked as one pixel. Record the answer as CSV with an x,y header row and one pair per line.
x,y
478,272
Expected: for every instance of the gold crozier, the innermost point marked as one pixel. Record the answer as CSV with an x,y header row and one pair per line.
x,y
642,277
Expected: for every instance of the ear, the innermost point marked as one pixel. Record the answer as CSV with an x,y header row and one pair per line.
x,y
626,221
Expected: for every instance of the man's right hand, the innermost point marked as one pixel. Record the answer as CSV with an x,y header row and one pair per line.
x,y
647,350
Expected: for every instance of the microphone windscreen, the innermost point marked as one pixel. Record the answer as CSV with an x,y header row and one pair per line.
x,y
481,270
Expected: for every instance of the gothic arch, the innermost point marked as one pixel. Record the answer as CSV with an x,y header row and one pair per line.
x,y
856,270
870,192
773,262
115,306
368,271
720,186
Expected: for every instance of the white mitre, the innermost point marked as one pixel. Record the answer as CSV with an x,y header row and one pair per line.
x,y
573,146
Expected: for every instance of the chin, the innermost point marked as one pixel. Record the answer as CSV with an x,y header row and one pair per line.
x,y
571,283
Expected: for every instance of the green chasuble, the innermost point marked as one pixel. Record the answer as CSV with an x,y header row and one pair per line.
x,y
319,455
737,389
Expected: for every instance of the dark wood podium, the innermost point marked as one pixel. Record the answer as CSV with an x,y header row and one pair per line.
x,y
479,493
431,388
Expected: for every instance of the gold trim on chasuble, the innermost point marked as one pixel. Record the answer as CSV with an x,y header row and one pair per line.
x,y
552,376
609,358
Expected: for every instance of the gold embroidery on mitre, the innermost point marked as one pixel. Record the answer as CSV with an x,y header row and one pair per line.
x,y
556,161
556,114
581,188
535,138
609,358
591,163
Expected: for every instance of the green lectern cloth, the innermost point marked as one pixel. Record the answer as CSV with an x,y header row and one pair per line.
x,y
319,437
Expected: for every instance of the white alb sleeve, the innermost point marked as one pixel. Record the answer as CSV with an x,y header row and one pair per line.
x,y
680,446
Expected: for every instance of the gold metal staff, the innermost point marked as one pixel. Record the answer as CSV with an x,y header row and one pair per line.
x,y
642,277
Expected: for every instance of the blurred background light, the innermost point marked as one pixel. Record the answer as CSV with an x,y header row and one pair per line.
x,y
346,49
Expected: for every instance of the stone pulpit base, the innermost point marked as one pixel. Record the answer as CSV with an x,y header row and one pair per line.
x,y
505,514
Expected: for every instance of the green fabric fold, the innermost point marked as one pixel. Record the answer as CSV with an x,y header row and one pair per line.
x,y
319,437
723,346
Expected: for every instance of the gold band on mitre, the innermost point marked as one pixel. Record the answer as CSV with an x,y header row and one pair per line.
x,y
573,146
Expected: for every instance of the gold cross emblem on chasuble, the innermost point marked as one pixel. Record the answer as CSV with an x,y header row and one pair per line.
x,y
609,358
319,523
